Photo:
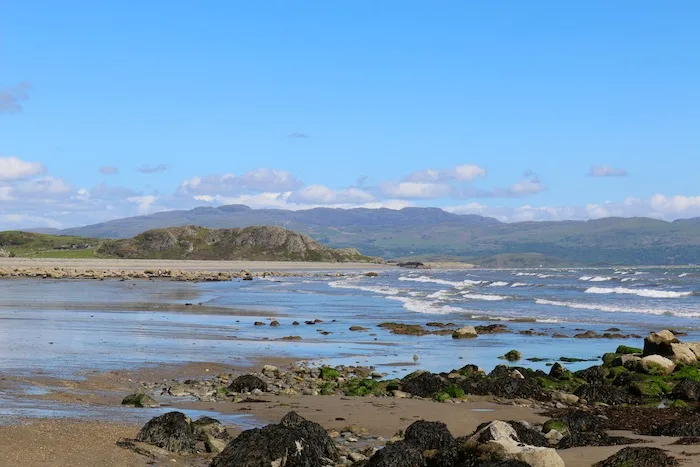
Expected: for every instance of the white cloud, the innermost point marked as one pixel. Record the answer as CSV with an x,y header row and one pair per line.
x,y
13,168
152,169
259,180
462,173
416,190
528,186
45,186
144,203
11,98
285,201
606,171
321,194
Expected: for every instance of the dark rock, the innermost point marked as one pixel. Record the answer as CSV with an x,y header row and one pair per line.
x,y
604,393
593,438
688,441
587,335
171,431
140,400
685,426
429,435
582,421
258,323
247,383
274,323
209,426
424,385
639,457
507,387
594,374
299,442
528,435
399,454
687,390
492,329
558,372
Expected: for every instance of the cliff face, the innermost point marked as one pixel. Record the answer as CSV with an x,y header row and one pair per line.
x,y
249,243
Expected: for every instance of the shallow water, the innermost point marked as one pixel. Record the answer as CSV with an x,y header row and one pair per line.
x,y
67,329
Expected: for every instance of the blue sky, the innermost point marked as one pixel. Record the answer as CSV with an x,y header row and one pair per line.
x,y
520,110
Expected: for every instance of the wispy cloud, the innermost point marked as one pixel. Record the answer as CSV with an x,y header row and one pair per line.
x,y
153,169
606,171
109,170
298,134
11,99
13,168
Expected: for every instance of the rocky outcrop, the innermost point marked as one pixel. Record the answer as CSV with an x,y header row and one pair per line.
x,y
250,243
501,438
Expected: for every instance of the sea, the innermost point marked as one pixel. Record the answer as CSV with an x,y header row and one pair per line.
x,y
73,329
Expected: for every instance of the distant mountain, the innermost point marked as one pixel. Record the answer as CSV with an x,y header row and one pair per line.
x,y
427,233
249,243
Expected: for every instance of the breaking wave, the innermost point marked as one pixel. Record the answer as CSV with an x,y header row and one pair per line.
x,y
648,293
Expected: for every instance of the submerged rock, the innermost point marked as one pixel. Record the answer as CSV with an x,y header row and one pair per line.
x,y
171,431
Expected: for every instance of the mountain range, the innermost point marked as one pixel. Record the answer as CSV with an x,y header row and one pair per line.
x,y
434,234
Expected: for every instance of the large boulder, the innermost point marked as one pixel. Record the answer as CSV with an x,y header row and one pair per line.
x,y
212,433
423,385
247,383
657,365
501,437
171,431
294,443
639,457
687,390
604,393
683,353
428,435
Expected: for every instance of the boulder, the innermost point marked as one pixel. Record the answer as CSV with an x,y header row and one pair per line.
x,y
247,383
429,435
659,343
140,400
424,385
657,365
399,454
294,443
683,353
687,390
466,332
171,431
594,374
594,438
271,371
558,372
582,421
639,457
630,362
695,348
685,426
503,438
604,393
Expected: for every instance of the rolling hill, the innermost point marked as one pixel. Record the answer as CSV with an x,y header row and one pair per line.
x,y
428,233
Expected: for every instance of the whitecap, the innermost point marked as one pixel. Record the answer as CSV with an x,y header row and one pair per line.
x,y
648,293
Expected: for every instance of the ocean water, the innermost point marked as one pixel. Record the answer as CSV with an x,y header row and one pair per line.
x,y
44,331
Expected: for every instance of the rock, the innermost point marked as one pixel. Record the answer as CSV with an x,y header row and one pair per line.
x,y
553,436
686,426
582,421
556,425
271,371
593,438
140,400
604,393
400,394
171,431
528,435
659,343
594,374
179,390
212,433
566,398
295,442
274,323
247,383
358,328
683,353
657,365
466,332
357,457
630,362
399,454
687,390
423,385
143,449
258,323
429,435
558,372
512,356
504,436
627,350
639,457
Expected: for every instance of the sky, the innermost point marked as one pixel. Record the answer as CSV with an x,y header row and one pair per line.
x,y
543,110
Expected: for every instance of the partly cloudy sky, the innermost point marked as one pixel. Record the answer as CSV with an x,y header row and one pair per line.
x,y
525,113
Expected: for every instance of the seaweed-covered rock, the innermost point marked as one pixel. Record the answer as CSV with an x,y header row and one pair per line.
x,y
593,438
297,443
582,421
593,375
684,426
639,457
687,390
399,454
512,356
171,431
424,385
509,388
604,393
140,400
528,435
428,435
558,372
247,383
209,426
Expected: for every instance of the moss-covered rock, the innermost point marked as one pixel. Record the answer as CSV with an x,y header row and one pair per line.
x,y
140,400
329,374
556,425
512,356
678,404
441,396
455,392
609,357
626,350
364,387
